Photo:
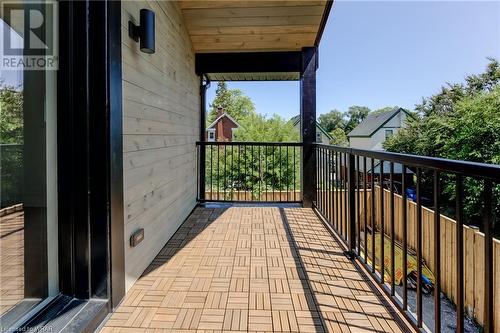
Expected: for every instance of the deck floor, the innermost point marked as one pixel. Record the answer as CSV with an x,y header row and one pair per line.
x,y
11,260
257,269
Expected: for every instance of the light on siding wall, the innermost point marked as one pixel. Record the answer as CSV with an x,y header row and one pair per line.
x,y
145,31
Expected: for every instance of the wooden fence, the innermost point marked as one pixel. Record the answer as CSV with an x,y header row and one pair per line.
x,y
473,250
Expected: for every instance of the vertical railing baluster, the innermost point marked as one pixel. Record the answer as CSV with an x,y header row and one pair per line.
x,y
358,206
324,181
393,231
336,196
280,169
211,173
373,212
273,179
488,258
287,176
346,197
460,253
294,174
330,183
341,195
225,173
318,178
405,239
218,172
231,177
259,174
352,206
365,209
437,254
419,248
382,223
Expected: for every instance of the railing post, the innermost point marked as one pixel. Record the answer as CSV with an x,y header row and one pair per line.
x,y
202,152
308,124
352,205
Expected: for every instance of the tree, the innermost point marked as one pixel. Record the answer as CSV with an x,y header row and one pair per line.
x,y
446,99
233,101
257,127
332,120
339,138
11,150
384,109
460,122
355,115
11,115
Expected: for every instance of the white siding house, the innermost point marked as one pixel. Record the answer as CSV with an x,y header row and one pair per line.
x,y
376,128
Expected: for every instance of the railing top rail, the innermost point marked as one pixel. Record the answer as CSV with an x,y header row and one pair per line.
x,y
219,143
466,168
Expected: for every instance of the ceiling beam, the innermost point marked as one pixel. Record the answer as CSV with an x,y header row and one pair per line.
x,y
249,62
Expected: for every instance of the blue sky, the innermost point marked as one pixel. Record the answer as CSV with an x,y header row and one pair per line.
x,y
384,53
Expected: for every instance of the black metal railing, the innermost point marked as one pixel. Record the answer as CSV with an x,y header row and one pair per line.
x,y
249,171
356,188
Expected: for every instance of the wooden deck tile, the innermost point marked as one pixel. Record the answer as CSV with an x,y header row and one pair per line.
x,y
248,269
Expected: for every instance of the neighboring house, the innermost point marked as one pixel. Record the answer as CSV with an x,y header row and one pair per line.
x,y
222,128
322,136
376,128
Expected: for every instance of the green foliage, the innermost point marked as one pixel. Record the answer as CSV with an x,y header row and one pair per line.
x,y
332,120
447,98
233,101
11,115
339,138
355,115
258,127
254,169
11,139
246,168
461,122
339,124
384,109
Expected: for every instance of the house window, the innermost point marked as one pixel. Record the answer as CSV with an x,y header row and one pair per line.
x,y
388,133
318,137
211,135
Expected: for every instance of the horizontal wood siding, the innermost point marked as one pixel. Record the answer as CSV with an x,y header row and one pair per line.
x,y
161,104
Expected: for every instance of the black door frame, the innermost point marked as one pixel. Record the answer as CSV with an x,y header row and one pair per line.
x,y
90,157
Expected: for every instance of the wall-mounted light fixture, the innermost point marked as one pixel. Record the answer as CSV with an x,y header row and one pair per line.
x,y
145,31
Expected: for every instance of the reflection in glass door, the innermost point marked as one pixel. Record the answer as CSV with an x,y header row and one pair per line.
x,y
28,165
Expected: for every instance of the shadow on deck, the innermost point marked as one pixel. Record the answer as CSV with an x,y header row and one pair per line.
x,y
254,269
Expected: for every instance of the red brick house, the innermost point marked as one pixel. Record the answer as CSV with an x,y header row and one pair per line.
x,y
222,128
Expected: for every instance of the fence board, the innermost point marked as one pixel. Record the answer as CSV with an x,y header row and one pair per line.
x,y
473,252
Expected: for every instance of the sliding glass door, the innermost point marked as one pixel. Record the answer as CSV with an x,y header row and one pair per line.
x,y
28,159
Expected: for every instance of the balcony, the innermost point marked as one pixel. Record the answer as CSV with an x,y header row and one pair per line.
x,y
254,269
251,258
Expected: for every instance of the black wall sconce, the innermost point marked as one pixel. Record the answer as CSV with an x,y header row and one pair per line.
x,y
145,31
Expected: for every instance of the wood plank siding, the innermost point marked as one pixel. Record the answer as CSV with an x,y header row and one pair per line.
x,y
161,106
259,25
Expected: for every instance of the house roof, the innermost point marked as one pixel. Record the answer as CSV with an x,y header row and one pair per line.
x,y
295,120
373,122
222,116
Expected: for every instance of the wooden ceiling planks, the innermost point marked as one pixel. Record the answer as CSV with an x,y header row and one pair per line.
x,y
258,25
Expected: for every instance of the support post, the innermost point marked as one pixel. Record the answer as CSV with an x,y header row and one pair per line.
x,y
308,124
204,84
351,179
